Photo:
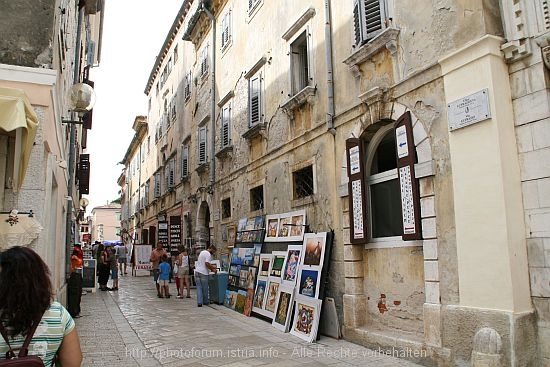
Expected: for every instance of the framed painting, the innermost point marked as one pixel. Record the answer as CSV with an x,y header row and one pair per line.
x,y
314,249
259,296
265,264
272,227
308,284
243,277
242,224
277,264
283,308
284,226
235,269
239,303
306,318
248,302
271,297
259,222
291,265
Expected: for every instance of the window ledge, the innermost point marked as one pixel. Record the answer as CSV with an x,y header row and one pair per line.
x,y
391,242
302,201
225,152
304,96
387,38
254,131
202,167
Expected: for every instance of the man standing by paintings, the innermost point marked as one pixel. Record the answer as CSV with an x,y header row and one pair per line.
x,y
201,274
156,256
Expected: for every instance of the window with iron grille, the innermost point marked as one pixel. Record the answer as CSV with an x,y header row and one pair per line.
x,y
299,63
187,86
184,161
303,182
226,29
257,198
226,208
369,19
254,100
201,153
225,138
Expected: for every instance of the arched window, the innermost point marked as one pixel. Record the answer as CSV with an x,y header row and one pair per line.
x,y
382,182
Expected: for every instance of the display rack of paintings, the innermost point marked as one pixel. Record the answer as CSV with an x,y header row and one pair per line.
x,y
269,280
285,227
244,265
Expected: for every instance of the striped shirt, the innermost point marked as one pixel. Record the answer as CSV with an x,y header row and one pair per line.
x,y
55,324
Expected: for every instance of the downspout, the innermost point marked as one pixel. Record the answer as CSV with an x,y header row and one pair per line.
x,y
72,153
213,99
330,74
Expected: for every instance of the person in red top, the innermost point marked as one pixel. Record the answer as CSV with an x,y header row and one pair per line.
x,y
74,284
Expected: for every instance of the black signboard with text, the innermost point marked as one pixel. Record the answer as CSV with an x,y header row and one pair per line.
x,y
163,235
175,234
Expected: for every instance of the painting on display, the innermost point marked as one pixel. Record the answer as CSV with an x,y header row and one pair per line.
x,y
272,227
259,296
283,308
235,270
277,263
291,265
248,302
239,303
265,264
286,227
314,249
257,252
308,284
306,319
271,297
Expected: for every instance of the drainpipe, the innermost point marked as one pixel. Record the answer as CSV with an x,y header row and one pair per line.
x,y
72,147
213,99
330,81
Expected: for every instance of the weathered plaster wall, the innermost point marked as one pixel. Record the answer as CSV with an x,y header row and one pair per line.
x,y
26,39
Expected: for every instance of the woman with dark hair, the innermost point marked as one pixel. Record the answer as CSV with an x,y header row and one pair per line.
x,y
26,294
104,269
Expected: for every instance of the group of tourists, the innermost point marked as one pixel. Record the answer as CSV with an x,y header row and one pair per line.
x,y
110,259
182,271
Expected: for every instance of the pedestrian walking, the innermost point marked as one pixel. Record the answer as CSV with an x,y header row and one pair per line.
x,y
74,285
155,258
104,269
202,273
183,277
113,268
27,305
122,258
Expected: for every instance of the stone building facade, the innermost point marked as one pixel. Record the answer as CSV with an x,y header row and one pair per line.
x,y
39,60
417,132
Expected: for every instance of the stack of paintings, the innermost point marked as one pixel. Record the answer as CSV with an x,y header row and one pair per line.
x,y
307,308
244,264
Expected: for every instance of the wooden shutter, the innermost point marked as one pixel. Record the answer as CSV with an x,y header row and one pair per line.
x,y
225,138
202,145
254,102
410,196
157,184
184,161
356,191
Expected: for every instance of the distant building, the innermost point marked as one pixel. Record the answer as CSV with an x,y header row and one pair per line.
x,y
105,223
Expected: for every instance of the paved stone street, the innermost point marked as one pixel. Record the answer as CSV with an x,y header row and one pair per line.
x,y
132,327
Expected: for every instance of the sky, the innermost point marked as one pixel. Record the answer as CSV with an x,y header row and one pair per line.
x,y
133,34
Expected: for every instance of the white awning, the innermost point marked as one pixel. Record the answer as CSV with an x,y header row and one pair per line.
x,y
17,114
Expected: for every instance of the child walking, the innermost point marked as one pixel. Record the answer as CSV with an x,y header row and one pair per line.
x,y
164,277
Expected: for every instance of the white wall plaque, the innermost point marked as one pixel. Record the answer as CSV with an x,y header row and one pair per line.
x,y
354,160
401,141
469,110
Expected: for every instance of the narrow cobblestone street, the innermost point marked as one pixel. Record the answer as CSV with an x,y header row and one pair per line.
x,y
132,327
